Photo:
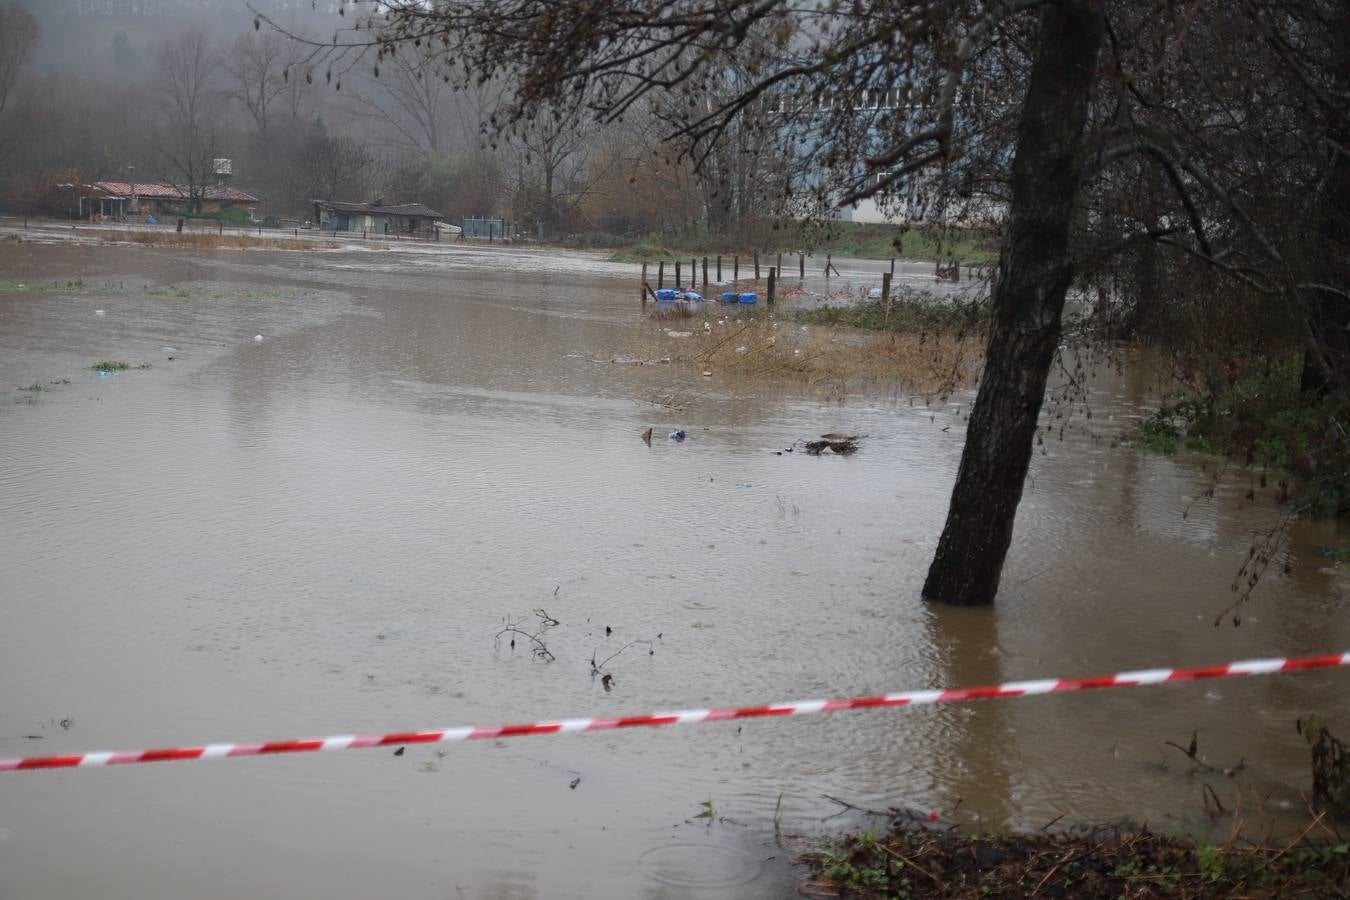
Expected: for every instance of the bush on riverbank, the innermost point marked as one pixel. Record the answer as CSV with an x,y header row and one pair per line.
x,y
916,861
1260,417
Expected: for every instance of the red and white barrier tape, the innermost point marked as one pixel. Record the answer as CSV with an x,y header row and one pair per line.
x,y
689,716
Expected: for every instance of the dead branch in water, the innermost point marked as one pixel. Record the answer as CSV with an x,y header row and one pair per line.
x,y
597,668
1192,753
538,649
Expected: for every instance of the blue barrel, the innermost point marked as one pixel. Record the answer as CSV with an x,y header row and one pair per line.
x,y
693,296
749,297
665,294
730,297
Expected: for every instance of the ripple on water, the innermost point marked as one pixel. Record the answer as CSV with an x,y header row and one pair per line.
x,y
695,865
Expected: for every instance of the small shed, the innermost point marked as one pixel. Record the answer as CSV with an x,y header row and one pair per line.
x,y
377,217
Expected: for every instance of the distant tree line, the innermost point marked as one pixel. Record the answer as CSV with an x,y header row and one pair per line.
x,y
155,90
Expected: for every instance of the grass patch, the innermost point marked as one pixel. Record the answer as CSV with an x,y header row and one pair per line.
x,y
52,287
972,246
199,241
259,295
34,388
177,293
908,312
109,365
915,861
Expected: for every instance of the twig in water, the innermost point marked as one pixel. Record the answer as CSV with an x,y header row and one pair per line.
x,y
1047,825
862,809
538,648
1265,547
597,668
1206,792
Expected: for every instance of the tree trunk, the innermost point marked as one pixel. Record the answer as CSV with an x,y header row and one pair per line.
x,y
1028,300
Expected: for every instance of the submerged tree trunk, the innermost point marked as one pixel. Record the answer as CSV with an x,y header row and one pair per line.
x,y
1028,300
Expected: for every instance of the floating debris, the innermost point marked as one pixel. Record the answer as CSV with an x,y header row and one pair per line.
x,y
842,444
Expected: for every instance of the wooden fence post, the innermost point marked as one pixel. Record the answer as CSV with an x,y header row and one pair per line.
x,y
693,273
773,271
801,265
677,274
757,265
886,292
660,274
892,265
736,268
828,264
705,274
642,287
779,265
719,267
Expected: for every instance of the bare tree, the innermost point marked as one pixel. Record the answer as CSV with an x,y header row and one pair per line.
x,y
336,167
256,64
185,141
552,158
411,96
18,35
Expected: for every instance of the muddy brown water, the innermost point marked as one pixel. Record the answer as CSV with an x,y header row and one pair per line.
x,y
321,533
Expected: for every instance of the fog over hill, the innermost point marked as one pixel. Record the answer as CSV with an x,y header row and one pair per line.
x,y
155,90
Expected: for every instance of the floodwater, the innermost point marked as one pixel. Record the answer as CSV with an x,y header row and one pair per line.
x,y
323,531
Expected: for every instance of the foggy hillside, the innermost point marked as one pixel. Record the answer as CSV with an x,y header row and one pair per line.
x,y
95,94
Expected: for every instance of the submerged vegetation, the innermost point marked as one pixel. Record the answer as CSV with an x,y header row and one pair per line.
x,y
207,241
48,288
756,344
110,365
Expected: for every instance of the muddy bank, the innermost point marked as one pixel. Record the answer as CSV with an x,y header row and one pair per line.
x,y
1103,862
